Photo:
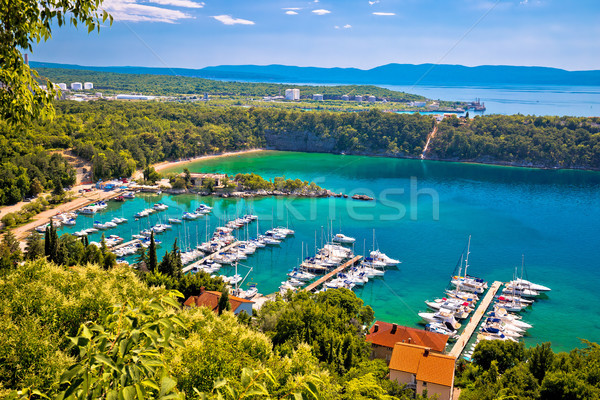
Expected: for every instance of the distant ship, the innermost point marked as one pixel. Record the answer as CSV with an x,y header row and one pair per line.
x,y
476,105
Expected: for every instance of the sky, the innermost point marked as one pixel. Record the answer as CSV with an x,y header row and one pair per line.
x,y
341,33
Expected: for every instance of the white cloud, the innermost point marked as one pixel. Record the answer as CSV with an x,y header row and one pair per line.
x,y
387,14
347,26
321,12
292,8
179,3
316,1
290,12
229,20
336,27
373,2
129,10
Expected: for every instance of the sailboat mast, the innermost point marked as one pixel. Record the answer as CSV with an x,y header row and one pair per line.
x,y
468,252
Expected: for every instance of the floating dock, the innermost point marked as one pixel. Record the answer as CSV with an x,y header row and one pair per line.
x,y
326,277
460,344
209,257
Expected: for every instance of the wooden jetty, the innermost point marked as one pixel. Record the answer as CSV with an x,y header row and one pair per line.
x,y
326,277
208,257
119,246
460,344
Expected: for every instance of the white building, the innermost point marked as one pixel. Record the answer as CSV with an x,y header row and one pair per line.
x,y
345,97
76,86
88,86
318,97
358,98
372,99
292,94
62,86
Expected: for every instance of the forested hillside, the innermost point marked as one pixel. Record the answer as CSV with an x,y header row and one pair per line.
x,y
171,85
551,142
120,137
84,332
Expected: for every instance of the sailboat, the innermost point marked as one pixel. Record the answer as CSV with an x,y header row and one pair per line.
x,y
466,282
377,255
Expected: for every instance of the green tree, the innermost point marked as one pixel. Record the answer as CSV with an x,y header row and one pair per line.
x,y
58,188
10,251
25,22
223,304
540,360
34,247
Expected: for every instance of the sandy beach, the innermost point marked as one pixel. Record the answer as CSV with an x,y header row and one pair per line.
x,y
171,164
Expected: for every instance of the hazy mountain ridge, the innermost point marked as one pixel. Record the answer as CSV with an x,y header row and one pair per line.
x,y
398,74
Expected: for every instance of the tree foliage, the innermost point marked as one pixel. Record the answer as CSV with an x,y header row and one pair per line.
x,y
503,370
544,141
25,22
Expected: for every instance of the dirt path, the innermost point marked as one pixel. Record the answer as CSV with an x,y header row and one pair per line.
x,y
429,137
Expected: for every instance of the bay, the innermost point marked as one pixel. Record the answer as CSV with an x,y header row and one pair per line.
x,y
578,101
423,215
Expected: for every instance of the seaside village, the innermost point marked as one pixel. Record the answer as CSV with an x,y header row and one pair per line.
x,y
467,311
78,91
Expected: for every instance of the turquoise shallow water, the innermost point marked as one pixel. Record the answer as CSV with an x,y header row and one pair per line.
x,y
423,214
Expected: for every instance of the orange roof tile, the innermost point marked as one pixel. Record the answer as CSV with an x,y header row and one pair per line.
x,y
437,368
427,366
210,299
385,337
406,359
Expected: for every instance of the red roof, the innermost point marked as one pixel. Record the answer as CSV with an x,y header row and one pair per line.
x,y
384,336
210,299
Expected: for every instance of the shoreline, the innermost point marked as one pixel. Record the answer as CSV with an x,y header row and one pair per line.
x,y
172,164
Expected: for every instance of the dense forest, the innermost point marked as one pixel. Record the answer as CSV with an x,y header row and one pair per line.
x,y
551,142
120,137
507,370
169,85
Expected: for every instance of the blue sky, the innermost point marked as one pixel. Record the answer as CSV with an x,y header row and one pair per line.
x,y
341,33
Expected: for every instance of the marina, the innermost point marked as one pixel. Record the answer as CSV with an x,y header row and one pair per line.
x,y
426,247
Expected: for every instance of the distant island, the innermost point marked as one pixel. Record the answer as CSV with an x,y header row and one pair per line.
x,y
393,74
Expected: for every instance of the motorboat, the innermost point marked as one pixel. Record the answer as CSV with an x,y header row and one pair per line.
x,y
522,283
175,221
160,206
439,328
382,257
442,316
341,238
129,195
301,275
522,292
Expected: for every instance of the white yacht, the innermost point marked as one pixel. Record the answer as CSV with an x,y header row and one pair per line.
x,y
382,257
341,238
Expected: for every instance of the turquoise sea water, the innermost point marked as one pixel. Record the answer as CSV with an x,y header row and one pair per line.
x,y
423,214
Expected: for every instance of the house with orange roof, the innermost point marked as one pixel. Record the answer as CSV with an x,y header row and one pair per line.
x,y
210,299
383,336
423,370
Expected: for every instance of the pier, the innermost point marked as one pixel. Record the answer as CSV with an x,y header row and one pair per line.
x,y
193,265
326,277
460,344
131,242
